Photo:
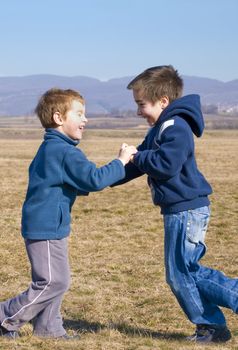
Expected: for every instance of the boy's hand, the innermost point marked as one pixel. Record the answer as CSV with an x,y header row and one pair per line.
x,y
126,153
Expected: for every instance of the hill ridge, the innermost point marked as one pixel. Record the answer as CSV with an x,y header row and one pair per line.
x,y
19,95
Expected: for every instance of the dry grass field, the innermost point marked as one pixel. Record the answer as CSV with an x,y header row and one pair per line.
x,y
118,298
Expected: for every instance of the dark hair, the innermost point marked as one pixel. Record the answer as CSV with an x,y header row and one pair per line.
x,y
157,82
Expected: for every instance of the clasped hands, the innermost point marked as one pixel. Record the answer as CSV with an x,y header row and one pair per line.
x,y
126,153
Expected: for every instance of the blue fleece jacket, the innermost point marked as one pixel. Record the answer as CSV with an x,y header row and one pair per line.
x,y
58,173
167,157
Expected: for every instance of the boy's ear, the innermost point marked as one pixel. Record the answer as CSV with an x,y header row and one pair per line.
x,y
57,117
164,101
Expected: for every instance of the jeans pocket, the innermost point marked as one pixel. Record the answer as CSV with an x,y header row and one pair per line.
x,y
197,224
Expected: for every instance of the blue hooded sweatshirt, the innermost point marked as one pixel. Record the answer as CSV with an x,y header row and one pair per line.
x,y
167,157
58,173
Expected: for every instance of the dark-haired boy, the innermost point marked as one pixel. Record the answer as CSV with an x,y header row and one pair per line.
x,y
177,186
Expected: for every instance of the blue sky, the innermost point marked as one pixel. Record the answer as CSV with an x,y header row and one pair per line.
x,y
116,38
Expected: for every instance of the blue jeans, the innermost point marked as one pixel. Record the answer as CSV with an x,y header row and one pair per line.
x,y
198,289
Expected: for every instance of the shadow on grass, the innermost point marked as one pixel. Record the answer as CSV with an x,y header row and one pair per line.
x,y
94,327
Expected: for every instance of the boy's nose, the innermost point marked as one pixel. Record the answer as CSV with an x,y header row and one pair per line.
x,y
85,119
138,111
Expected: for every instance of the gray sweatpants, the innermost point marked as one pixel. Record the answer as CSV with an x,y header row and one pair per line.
x,y
41,302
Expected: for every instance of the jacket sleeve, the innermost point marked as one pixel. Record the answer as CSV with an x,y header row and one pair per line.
x,y
83,174
166,160
132,172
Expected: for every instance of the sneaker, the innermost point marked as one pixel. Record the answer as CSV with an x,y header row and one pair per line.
x,y
209,334
8,334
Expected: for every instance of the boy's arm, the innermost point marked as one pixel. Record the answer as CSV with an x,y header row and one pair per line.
x,y
132,172
165,161
83,174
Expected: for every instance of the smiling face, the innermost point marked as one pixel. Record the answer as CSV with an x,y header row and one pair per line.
x,y
74,122
147,109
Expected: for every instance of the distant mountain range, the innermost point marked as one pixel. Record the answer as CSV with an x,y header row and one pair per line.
x,y
19,95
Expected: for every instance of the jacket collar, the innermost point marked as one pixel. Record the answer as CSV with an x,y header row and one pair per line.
x,y
52,133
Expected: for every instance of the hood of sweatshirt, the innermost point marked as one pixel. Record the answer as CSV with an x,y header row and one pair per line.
x,y
187,107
